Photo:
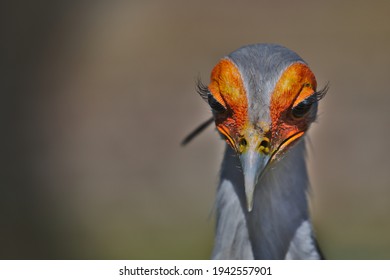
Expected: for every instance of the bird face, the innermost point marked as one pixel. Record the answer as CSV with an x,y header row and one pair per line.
x,y
261,115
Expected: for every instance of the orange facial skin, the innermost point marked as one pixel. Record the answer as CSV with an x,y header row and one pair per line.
x,y
296,84
227,87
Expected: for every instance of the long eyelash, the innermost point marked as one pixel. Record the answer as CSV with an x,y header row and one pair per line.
x,y
204,92
316,96
321,93
202,89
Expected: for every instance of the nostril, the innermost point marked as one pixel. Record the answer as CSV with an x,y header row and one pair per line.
x,y
264,143
243,142
242,145
264,146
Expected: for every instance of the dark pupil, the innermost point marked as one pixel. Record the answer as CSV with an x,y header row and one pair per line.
x,y
301,109
215,105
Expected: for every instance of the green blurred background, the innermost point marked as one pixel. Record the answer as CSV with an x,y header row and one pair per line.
x,y
99,94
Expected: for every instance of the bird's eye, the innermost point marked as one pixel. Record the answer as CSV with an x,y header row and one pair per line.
x,y
205,93
302,108
215,105
305,105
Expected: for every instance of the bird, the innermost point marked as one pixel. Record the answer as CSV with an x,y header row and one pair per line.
x,y
263,99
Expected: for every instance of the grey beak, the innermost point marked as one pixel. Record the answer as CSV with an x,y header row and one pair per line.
x,y
253,164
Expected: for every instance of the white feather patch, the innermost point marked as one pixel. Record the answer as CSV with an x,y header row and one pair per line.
x,y
302,245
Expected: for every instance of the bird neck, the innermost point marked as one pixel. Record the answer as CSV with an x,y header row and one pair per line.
x,y
280,209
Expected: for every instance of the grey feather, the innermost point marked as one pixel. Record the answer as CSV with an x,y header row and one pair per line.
x,y
273,229
261,66
279,210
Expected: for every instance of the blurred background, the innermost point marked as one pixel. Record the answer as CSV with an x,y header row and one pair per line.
x,y
99,94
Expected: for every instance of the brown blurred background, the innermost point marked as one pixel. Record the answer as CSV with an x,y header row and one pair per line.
x,y
99,94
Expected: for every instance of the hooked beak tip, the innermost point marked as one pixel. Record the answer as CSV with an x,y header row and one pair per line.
x,y
249,205
250,183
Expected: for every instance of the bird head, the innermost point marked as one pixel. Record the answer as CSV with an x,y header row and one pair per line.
x,y
263,99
